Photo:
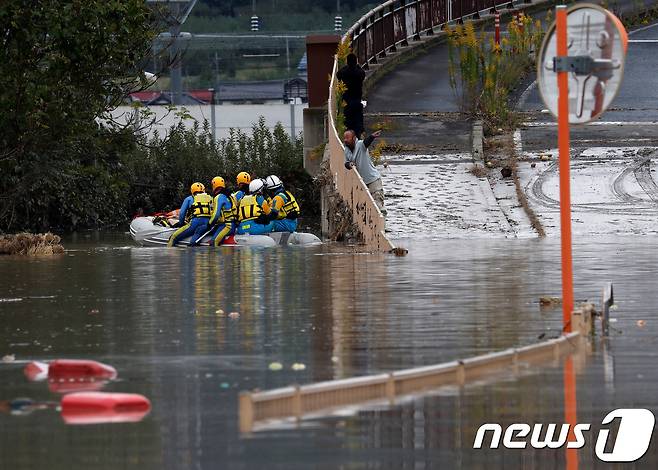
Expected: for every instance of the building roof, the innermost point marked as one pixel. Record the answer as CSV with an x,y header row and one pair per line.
x,y
257,91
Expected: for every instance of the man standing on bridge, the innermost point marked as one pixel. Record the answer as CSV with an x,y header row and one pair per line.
x,y
356,154
352,75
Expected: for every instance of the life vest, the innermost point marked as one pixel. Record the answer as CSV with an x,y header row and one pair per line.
x,y
290,205
250,209
202,205
230,214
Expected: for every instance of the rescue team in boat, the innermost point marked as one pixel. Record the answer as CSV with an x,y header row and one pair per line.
x,y
258,207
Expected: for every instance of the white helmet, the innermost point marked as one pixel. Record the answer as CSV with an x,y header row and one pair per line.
x,y
256,186
273,182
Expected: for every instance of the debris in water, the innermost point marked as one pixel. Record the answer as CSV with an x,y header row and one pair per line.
x,y
506,172
274,366
549,301
399,251
219,311
94,311
9,358
533,164
17,299
234,315
641,323
545,158
30,244
334,359
298,366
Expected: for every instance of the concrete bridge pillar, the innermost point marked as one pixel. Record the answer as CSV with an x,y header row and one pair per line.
x,y
320,51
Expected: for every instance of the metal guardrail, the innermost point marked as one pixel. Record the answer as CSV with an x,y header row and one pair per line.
x,y
324,397
379,32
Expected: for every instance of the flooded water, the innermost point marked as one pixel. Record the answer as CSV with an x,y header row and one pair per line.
x,y
160,317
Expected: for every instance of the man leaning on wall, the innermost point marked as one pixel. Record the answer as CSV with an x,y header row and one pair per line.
x,y
357,155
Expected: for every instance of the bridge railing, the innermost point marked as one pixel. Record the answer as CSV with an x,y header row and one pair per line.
x,y
379,32
394,22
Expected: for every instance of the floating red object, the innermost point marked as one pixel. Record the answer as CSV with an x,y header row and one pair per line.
x,y
103,407
230,240
62,369
36,371
75,385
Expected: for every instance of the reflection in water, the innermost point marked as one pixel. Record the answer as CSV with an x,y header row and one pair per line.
x,y
152,313
570,411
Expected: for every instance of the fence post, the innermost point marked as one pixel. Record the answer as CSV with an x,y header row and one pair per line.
x,y
297,403
382,53
430,12
461,373
405,33
390,388
607,301
476,15
370,30
392,31
246,412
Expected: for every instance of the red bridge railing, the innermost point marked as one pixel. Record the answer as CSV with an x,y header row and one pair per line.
x,y
395,22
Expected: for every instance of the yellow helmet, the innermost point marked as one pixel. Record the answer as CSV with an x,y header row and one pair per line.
x,y
197,188
218,182
244,178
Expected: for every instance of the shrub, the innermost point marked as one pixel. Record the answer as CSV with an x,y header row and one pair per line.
x,y
483,73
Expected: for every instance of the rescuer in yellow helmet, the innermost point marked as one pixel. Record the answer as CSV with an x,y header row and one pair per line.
x,y
224,215
243,181
194,216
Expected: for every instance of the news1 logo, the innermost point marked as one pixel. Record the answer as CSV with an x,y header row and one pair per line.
x,y
632,441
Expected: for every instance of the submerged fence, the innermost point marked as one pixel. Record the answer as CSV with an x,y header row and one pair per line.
x,y
382,31
322,398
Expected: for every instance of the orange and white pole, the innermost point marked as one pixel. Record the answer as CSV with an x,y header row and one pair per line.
x,y
565,190
497,28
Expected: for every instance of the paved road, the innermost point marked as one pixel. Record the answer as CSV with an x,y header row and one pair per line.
x,y
423,83
420,111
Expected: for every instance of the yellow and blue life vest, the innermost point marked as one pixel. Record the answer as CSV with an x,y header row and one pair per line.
x,y
250,209
201,205
290,205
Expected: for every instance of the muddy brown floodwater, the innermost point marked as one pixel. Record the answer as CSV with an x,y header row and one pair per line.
x,y
160,317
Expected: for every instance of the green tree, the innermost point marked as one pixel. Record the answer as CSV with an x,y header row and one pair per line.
x,y
63,65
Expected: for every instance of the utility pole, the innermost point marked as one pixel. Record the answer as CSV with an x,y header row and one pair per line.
x,y
176,76
212,114
178,12
287,58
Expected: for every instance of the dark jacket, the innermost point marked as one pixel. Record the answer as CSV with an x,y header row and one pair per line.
x,y
353,78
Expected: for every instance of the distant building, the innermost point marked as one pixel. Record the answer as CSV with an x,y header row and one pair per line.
x,y
295,88
258,92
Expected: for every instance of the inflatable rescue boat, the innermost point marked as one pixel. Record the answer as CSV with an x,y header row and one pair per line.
x,y
149,231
